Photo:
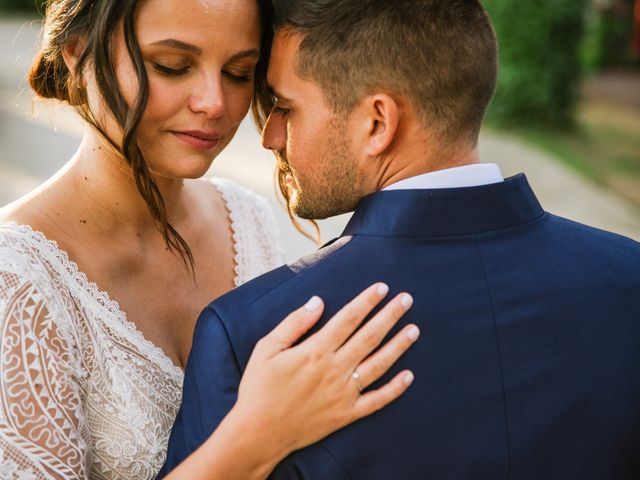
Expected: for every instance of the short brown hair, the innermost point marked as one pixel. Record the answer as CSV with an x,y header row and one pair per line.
x,y
441,55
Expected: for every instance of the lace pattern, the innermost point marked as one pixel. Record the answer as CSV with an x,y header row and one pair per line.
x,y
255,247
82,393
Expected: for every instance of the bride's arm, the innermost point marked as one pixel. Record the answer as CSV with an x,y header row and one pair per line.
x,y
306,391
43,429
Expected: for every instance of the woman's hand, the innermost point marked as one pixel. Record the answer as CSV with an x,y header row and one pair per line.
x,y
293,396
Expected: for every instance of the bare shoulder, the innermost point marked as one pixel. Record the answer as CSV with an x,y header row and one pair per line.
x,y
26,210
41,211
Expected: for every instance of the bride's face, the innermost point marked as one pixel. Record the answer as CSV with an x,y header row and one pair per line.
x,y
200,57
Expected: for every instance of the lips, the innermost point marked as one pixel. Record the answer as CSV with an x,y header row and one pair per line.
x,y
198,139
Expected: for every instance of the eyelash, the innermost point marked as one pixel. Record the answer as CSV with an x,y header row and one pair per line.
x,y
238,78
170,72
281,111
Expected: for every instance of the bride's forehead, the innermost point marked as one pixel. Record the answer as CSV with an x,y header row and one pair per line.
x,y
197,13
206,23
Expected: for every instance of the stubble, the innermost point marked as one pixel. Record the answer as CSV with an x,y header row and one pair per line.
x,y
332,189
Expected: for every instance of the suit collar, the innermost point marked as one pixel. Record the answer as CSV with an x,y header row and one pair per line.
x,y
446,212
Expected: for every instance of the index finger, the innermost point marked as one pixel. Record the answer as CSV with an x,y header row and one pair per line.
x,y
344,323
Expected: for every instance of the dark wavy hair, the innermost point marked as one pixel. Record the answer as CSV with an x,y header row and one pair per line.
x,y
96,20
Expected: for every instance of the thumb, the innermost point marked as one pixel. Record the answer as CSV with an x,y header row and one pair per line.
x,y
292,328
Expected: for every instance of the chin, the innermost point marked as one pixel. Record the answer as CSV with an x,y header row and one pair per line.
x,y
186,169
174,160
193,173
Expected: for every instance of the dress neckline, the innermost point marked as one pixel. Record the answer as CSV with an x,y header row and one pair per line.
x,y
82,283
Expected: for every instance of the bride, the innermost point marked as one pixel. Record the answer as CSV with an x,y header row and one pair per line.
x,y
105,268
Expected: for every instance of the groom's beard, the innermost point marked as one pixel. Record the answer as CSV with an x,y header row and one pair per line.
x,y
328,185
283,173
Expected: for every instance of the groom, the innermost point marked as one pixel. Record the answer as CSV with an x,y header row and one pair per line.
x,y
531,368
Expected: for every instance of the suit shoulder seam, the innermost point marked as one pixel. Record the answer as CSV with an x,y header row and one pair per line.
x,y
226,332
214,307
294,274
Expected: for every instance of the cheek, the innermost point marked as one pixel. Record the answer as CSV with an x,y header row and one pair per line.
x,y
306,139
165,100
238,100
164,104
226,140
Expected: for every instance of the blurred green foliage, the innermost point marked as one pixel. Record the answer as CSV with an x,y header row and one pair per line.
x,y
540,61
611,26
22,5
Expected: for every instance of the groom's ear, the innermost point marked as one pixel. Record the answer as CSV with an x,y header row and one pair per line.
x,y
382,118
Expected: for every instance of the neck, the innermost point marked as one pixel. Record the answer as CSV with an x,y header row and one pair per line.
x,y
401,166
416,151
105,190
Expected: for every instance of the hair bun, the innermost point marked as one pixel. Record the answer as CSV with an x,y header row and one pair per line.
x,y
48,78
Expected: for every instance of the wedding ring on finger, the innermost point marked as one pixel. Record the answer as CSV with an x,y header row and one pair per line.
x,y
356,378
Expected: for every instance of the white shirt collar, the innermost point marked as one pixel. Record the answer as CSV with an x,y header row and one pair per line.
x,y
466,176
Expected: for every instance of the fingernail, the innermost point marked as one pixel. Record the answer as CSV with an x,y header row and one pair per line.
x,y
408,379
313,304
413,333
406,300
383,289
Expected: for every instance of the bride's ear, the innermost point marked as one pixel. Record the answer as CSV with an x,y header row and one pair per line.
x,y
382,125
72,51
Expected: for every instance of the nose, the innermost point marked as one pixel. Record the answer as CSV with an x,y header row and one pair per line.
x,y
274,133
208,97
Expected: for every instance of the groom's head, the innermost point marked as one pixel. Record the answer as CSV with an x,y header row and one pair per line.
x,y
372,91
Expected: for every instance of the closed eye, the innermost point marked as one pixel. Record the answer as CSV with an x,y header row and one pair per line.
x,y
237,78
171,72
281,111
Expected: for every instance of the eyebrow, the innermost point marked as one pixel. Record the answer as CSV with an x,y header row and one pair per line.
x,y
276,94
245,54
177,44
188,47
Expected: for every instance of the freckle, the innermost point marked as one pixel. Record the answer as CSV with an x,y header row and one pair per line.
x,y
137,235
83,221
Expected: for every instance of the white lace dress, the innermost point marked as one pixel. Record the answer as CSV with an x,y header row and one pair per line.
x,y
82,393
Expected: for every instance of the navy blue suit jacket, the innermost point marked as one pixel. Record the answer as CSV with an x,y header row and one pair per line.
x,y
529,363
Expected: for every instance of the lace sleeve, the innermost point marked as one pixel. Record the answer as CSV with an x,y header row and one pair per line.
x,y
268,229
255,232
42,428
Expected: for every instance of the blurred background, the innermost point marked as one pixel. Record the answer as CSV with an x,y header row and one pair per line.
x,y
567,113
